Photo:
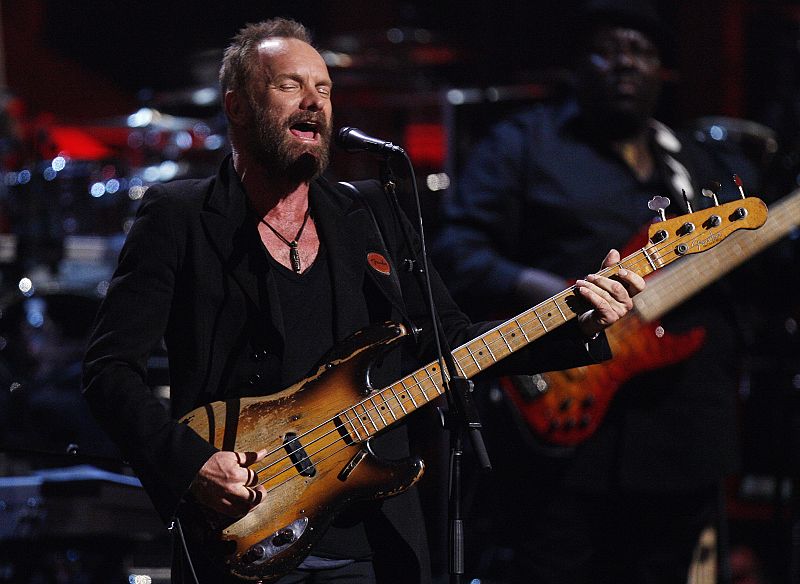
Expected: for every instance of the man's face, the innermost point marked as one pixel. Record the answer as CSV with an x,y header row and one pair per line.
x,y
620,76
290,99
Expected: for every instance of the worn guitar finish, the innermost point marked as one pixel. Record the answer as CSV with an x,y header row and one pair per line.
x,y
318,431
564,408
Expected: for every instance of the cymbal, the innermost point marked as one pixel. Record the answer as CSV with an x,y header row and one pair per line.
x,y
149,118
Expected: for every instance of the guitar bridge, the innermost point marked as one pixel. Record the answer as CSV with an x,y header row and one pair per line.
x,y
269,547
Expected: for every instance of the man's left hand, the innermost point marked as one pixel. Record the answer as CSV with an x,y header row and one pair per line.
x,y
611,299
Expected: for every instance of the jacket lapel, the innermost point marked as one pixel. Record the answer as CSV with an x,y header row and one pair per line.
x,y
350,236
225,219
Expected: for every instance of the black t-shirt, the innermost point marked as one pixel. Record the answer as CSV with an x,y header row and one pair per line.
x,y
306,308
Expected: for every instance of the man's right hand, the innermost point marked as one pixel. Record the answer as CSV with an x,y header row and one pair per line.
x,y
226,484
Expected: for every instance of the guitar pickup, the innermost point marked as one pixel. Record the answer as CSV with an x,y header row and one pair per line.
x,y
297,454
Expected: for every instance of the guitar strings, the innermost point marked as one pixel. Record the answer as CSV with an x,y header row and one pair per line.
x,y
419,384
367,411
631,265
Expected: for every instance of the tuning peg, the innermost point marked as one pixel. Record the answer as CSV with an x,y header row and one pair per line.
x,y
659,205
711,192
739,185
686,200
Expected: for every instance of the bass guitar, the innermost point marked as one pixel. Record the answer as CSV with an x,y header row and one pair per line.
x,y
318,431
564,408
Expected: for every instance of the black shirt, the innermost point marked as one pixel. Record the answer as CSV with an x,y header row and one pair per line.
x,y
306,302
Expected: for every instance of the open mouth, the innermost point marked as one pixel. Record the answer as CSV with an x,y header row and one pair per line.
x,y
305,130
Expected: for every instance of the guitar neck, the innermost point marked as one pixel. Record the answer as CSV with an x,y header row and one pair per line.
x,y
669,288
390,404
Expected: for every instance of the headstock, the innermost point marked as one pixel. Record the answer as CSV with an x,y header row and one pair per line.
x,y
701,230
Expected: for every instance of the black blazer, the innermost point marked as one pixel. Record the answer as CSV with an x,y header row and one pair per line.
x,y
186,273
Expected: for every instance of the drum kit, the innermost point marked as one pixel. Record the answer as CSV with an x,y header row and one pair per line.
x,y
68,195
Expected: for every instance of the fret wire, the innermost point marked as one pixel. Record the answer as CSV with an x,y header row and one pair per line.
x,y
433,383
429,382
649,260
561,311
349,421
397,397
360,421
410,395
503,338
540,320
422,391
488,348
471,354
388,405
378,410
516,320
366,411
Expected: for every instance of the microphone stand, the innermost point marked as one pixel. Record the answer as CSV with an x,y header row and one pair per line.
x,y
461,415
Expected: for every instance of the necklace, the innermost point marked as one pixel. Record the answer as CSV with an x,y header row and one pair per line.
x,y
294,255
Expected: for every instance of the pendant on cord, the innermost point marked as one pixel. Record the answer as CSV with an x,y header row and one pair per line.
x,y
294,257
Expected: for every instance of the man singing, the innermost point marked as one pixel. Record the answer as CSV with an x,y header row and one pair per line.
x,y
251,276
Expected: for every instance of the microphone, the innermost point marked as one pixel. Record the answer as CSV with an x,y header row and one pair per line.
x,y
354,140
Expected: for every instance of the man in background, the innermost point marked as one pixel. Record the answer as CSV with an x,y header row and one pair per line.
x,y
537,197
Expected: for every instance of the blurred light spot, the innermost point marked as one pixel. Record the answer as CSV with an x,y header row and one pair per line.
x,y
112,186
395,35
58,163
141,118
139,579
717,132
136,181
49,173
183,140
127,224
492,94
97,190
25,286
102,288
796,381
73,555
214,142
24,177
659,331
15,385
3,343
136,193
437,182
455,96
791,326
35,318
201,130
150,174
334,59
205,96
167,170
